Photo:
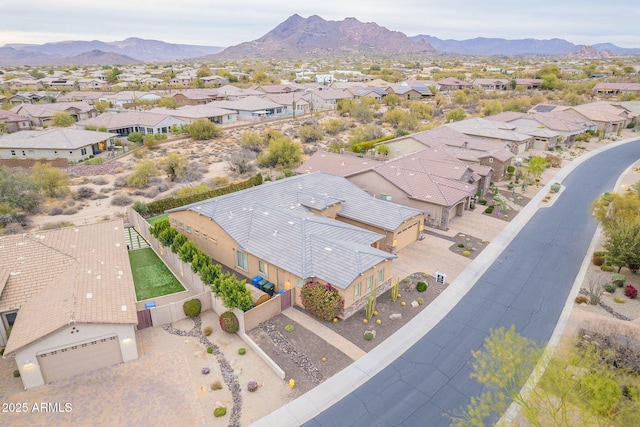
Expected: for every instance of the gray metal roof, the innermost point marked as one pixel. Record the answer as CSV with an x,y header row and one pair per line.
x,y
54,139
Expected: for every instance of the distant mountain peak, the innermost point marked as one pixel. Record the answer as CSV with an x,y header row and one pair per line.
x,y
297,36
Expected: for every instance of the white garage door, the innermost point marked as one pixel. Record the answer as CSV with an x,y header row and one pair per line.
x,y
407,235
79,358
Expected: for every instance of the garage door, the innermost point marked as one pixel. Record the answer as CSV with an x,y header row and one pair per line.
x,y
407,235
79,358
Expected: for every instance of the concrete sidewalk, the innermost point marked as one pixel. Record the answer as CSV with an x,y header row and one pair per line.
x,y
332,338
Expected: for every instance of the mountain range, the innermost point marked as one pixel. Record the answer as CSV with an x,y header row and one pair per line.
x,y
296,37
128,51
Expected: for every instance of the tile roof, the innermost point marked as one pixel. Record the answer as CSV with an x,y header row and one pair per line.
x,y
48,110
124,119
79,274
488,129
194,111
337,164
248,103
271,219
52,139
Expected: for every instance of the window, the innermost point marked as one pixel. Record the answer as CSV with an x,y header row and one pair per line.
x,y
356,291
381,276
262,268
173,221
369,283
9,318
213,240
241,261
490,159
188,229
197,232
13,152
181,225
299,283
83,151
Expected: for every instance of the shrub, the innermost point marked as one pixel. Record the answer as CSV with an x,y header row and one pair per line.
x,y
289,328
421,286
322,300
207,330
618,279
368,335
121,200
16,373
419,300
461,245
216,385
220,411
619,300
229,322
140,207
482,201
597,260
192,307
599,253
581,299
610,287
84,193
489,210
252,386
555,187
242,351
607,268
466,253
210,350
630,291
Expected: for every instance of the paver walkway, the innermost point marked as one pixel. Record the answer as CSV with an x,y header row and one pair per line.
x,y
336,340
134,239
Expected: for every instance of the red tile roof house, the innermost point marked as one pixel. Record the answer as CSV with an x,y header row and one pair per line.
x,y
69,299
431,180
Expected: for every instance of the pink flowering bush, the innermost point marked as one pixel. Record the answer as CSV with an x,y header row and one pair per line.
x,y
322,300
630,291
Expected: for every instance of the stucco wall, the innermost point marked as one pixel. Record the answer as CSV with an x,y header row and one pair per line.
x,y
27,362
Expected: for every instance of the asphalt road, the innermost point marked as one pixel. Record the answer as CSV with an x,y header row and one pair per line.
x,y
526,286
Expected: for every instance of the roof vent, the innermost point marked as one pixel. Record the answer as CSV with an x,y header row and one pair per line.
x,y
328,249
123,308
275,233
14,273
89,295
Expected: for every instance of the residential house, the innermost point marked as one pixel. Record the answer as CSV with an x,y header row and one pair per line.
x,y
450,84
90,97
233,93
609,119
326,99
276,89
57,143
529,83
566,125
12,122
93,84
58,83
22,84
127,98
197,96
491,85
617,88
38,97
67,295
289,101
127,122
409,92
312,227
371,92
492,154
252,108
430,180
493,130
42,114
190,113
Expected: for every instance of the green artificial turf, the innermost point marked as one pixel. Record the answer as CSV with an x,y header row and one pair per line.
x,y
153,220
151,277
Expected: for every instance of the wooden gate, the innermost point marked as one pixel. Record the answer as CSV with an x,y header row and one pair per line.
x,y
285,300
144,319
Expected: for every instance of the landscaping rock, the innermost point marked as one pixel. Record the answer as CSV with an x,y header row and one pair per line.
x,y
395,316
414,304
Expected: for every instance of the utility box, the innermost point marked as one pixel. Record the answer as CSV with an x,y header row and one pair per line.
x,y
150,304
440,277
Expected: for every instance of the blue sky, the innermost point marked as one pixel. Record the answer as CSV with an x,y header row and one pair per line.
x,y
218,23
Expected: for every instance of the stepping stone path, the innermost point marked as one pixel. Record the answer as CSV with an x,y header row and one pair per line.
x,y
134,239
228,374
